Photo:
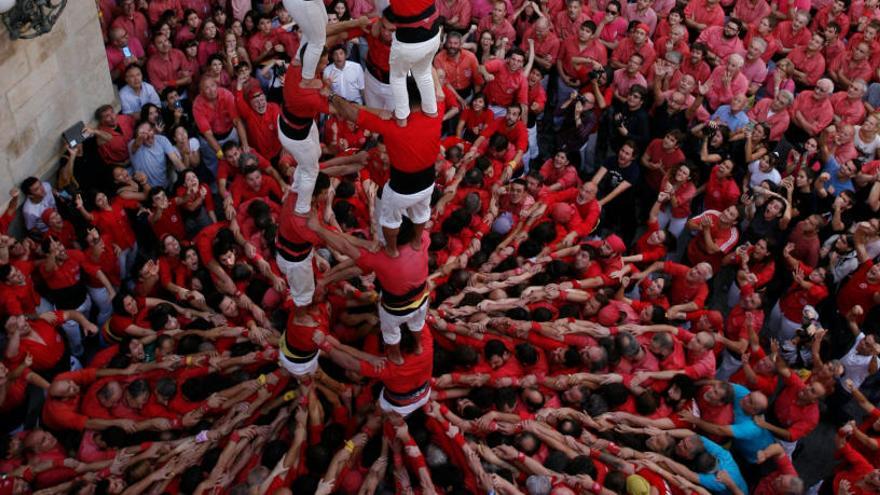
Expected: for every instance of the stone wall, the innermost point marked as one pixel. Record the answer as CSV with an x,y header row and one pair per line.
x,y
46,85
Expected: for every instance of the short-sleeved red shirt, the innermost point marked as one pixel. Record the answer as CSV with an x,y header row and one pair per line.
x,y
305,103
116,149
402,274
798,419
64,414
507,87
216,116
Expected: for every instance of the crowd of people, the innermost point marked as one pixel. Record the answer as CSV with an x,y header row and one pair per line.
x,y
505,247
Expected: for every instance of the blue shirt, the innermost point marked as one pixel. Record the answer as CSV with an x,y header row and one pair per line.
x,y
832,167
132,102
153,160
733,121
748,437
724,462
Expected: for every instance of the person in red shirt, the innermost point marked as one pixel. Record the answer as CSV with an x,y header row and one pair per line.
x,y
402,280
416,41
701,14
111,218
407,383
505,82
862,287
298,350
796,408
688,290
164,215
717,234
783,479
294,244
218,121
41,338
18,295
168,67
510,126
260,119
298,131
413,152
113,134
251,183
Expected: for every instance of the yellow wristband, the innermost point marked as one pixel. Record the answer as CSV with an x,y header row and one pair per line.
x,y
511,164
261,379
189,360
289,396
220,154
349,446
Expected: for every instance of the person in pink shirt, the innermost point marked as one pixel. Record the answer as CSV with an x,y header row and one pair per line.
x,y
849,66
782,9
848,105
498,24
675,41
636,42
483,8
726,81
627,77
722,41
793,33
567,22
641,12
610,25
663,7
754,67
456,12
835,12
700,14
834,46
695,65
774,112
809,64
811,113
751,11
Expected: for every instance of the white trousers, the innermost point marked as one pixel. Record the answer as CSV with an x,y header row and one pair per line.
x,y
417,207
307,153
299,369
416,58
403,410
376,93
300,278
390,324
311,17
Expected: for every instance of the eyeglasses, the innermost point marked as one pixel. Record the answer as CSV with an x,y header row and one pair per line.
x,y
609,11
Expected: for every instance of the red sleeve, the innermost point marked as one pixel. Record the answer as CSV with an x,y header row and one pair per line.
x,y
702,294
202,121
522,96
372,122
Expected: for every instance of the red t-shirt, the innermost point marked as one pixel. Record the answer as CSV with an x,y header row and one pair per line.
x,y
116,150
507,87
412,373
216,116
402,274
413,148
681,291
305,103
114,222
858,291
798,419
63,414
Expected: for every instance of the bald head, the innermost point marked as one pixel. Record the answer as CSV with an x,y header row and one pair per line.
x,y
826,85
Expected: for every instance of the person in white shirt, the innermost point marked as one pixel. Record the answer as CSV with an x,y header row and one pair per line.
x,y
39,198
136,93
346,77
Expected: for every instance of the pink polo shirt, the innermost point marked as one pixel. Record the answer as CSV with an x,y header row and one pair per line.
x,y
721,94
790,39
821,112
713,37
811,64
849,111
700,12
755,71
623,83
778,121
751,13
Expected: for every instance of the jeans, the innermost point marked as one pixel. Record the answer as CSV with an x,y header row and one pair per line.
x,y
100,296
74,332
